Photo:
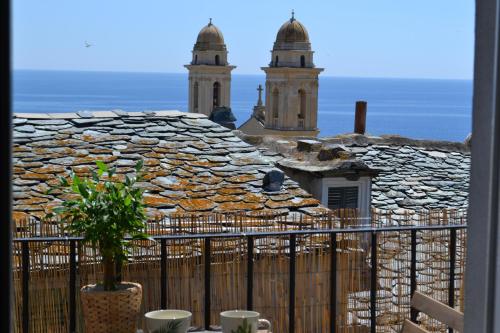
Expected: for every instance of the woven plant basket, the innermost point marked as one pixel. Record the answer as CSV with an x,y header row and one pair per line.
x,y
111,311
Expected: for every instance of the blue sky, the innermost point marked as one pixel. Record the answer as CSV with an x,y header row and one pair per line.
x,y
358,38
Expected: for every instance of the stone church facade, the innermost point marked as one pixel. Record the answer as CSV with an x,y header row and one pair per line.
x,y
291,98
291,84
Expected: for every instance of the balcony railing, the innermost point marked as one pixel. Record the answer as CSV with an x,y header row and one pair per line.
x,y
331,276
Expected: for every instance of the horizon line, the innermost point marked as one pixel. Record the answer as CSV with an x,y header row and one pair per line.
x,y
237,74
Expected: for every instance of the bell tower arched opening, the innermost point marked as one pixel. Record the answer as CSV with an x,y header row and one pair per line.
x,y
276,101
302,108
195,96
216,94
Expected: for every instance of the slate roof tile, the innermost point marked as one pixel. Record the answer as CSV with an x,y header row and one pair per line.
x,y
191,163
414,174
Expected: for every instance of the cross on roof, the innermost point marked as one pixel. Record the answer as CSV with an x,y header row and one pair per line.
x,y
259,89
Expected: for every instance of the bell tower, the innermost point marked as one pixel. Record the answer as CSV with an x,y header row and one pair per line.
x,y
292,83
209,72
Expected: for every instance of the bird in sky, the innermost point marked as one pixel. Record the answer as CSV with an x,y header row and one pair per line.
x,y
87,44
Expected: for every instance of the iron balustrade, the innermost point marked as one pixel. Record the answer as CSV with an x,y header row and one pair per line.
x,y
250,237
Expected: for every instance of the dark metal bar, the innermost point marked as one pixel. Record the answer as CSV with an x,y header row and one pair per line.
x,y
72,286
413,272
26,284
373,285
264,234
207,283
291,306
453,252
163,274
6,263
333,282
250,273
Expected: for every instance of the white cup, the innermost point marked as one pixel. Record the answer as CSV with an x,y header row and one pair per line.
x,y
240,321
172,321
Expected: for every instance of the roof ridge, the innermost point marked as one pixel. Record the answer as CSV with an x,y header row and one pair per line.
x,y
113,113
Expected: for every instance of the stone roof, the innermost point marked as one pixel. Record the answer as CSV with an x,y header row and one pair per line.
x,y
413,174
192,165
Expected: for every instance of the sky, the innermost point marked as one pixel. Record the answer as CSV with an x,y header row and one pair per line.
x,y
353,38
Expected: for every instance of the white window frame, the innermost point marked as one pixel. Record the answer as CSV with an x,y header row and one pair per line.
x,y
364,185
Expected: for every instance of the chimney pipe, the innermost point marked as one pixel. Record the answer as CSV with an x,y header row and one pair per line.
x,y
360,118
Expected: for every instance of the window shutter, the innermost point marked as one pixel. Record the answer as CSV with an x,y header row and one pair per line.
x,y
351,197
342,197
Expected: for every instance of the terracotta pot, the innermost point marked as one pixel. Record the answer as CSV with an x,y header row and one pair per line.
x,y
111,311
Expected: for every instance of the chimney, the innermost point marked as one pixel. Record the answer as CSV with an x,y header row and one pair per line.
x,y
360,118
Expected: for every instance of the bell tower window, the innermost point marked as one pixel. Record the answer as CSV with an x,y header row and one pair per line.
x,y
217,60
216,101
302,108
276,61
195,96
276,96
195,59
302,61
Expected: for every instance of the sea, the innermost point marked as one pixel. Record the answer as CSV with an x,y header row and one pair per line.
x,y
415,108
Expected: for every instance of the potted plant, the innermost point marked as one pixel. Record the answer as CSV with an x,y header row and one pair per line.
x,y
109,214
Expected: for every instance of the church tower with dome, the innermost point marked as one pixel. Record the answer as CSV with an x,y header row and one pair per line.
x,y
291,105
209,72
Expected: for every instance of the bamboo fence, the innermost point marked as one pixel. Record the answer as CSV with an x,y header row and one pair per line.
x,y
49,275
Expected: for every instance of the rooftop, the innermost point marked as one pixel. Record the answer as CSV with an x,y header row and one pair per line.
x,y
412,174
192,165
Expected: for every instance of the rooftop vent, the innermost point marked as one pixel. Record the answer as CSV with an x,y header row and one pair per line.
x,y
273,181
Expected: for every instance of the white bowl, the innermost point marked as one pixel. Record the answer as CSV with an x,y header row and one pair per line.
x,y
156,320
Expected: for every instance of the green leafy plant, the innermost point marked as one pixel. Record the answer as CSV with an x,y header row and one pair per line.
x,y
109,214
170,327
245,327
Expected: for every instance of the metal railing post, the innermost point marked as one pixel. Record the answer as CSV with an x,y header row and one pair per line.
x,y
373,285
207,283
453,251
291,306
25,288
333,282
163,274
413,272
72,286
249,273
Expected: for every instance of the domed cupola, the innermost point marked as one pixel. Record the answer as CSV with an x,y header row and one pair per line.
x,y
292,47
210,38
210,48
292,36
